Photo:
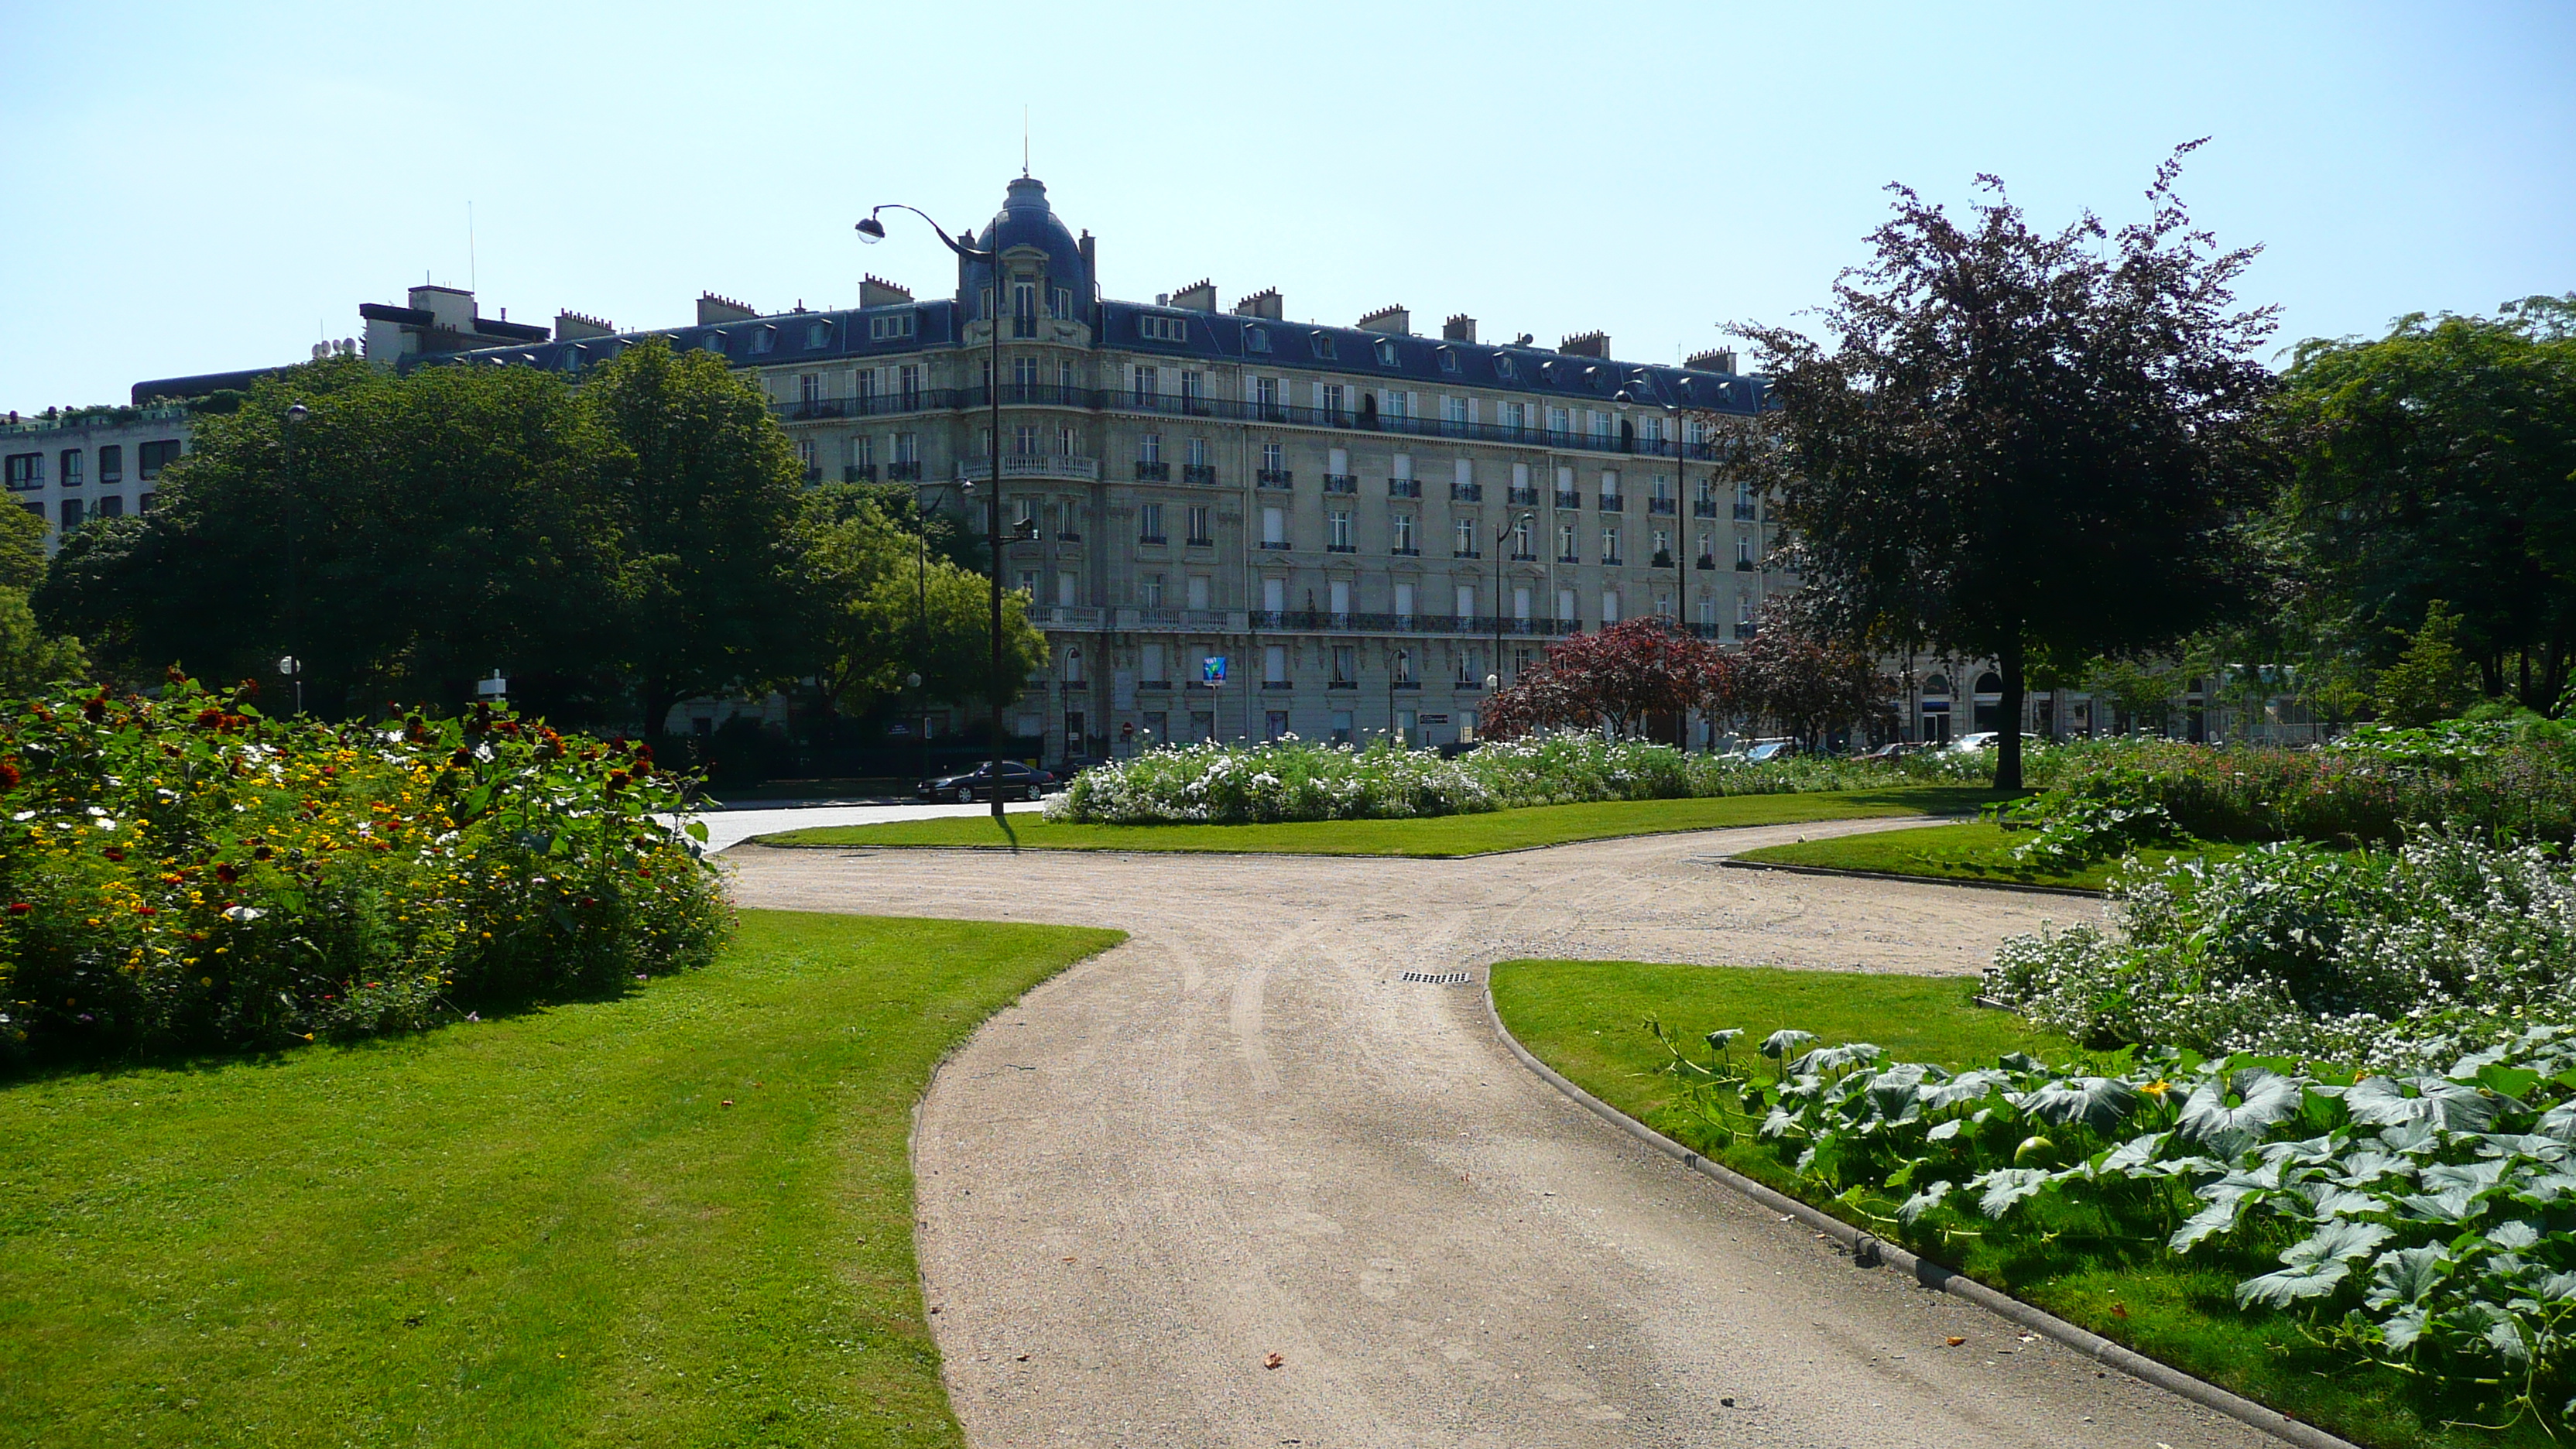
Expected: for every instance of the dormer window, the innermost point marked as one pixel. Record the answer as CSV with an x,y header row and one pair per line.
x,y
891,326
713,342
1064,304
1385,353
1324,346
1449,359
764,339
1162,329
819,335
1256,339
1505,368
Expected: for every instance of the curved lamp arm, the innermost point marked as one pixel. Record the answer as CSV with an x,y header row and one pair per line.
x,y
873,231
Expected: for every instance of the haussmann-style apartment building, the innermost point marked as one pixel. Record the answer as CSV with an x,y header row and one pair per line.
x,y
1230,525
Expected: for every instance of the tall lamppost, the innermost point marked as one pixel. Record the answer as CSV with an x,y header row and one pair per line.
x,y
1526,520
873,231
293,664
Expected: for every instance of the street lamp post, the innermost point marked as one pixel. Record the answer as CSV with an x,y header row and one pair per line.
x,y
1526,520
293,663
921,723
873,231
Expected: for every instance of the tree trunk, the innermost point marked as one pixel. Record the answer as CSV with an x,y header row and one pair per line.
x,y
658,702
2008,744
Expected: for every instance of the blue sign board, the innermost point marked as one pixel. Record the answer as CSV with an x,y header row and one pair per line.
x,y
1212,669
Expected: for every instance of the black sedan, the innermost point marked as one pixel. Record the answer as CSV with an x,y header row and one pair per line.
x,y
1018,782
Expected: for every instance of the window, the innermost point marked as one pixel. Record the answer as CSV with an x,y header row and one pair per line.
x,y
1145,383
1024,309
1029,584
1457,410
1196,452
1609,607
1466,601
1274,724
1744,553
1065,584
1064,303
1337,530
71,467
1149,592
863,450
1609,484
1520,601
1324,346
1152,659
1149,523
1024,441
908,383
1565,612
1024,374
1068,375
805,458
1163,329
1565,544
764,339
1466,545
26,470
1467,666
1025,517
1404,601
1274,593
1274,459
1610,545
1404,666
1448,359
1600,423
1198,592
1149,448
1274,528
1514,418
151,458
1507,369
1404,542
1650,429
1256,339
1663,545
1397,404
1341,727
111,507
1193,387
1274,664
1265,395
907,448
1385,352
1558,423
1521,538
71,514
885,327
1201,533
818,334
1403,466
1346,664
1331,399
111,463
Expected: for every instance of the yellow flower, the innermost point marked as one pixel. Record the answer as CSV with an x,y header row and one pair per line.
x,y
2157,1088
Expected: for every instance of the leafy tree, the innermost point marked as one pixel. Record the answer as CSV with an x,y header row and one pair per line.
x,y
407,536
2433,679
2020,443
2436,463
1806,684
1621,674
884,603
703,490
22,549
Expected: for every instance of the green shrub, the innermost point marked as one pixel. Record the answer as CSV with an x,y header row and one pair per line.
x,y
186,874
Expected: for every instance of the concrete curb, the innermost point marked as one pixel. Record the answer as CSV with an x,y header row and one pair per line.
x,y
772,842
1738,863
1867,1250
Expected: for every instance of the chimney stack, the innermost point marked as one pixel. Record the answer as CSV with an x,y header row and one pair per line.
x,y
876,291
1198,296
1715,359
1264,304
1393,320
1461,328
713,309
1586,344
570,326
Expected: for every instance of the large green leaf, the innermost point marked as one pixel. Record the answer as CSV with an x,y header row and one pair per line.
x,y
2289,1285
2101,1103
2265,1098
2406,1275
2436,1102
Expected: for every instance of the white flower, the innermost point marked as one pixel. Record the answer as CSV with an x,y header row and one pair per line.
x,y
243,914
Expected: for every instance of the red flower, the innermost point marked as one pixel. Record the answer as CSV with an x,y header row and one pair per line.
x,y
20,908
212,719
227,874
147,910
113,853
9,775
619,780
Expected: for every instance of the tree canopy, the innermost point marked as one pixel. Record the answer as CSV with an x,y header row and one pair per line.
x,y
2439,462
2021,444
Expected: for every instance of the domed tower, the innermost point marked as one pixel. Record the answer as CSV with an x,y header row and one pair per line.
x,y
1049,272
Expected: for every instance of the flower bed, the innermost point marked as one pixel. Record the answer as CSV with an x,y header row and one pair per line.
x,y
1292,779
2297,951
186,874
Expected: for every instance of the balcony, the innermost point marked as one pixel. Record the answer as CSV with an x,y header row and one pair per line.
x,y
1744,566
1466,685
1275,545
1156,539
904,471
1705,562
1341,548
1273,478
1568,500
1703,508
1198,472
1343,684
1569,558
1404,550
1316,621
1465,553
1163,685
1744,513
1744,630
1663,558
1341,483
1613,503
1521,497
1466,492
1280,684
1067,616
813,475
1614,561
1199,542
1403,487
1068,535
858,472
1031,465
1153,472
1518,557
1404,684
1660,505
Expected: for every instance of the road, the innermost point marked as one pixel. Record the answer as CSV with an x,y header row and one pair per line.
x,y
1242,1134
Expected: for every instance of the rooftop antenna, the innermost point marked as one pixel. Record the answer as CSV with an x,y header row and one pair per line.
x,y
1024,142
471,283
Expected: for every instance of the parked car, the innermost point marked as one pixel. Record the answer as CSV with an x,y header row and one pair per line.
x,y
1766,750
1018,782
1894,750
1985,740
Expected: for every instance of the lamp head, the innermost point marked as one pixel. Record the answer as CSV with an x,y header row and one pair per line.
x,y
912,681
1493,681
298,413
871,230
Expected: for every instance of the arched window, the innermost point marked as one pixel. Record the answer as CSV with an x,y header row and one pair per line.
x,y
1073,665
1990,683
1403,666
1937,684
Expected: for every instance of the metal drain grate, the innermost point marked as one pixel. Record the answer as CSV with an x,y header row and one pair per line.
x,y
1446,978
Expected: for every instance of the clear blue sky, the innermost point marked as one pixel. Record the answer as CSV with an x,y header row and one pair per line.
x,y
195,188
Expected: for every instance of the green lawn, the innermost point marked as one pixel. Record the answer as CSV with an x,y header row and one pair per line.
x,y
1584,1018
1972,851
679,1217
1440,835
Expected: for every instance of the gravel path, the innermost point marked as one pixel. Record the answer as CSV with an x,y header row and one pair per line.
x,y
1240,1134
